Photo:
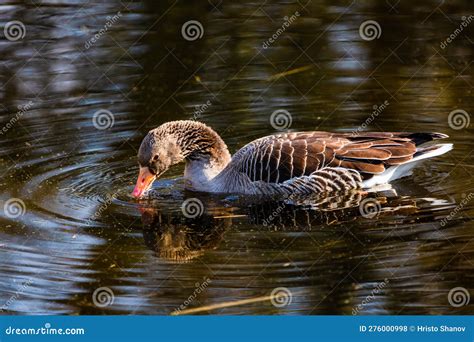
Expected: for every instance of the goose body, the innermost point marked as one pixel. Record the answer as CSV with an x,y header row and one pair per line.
x,y
297,163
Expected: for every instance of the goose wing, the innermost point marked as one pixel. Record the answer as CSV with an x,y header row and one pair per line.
x,y
278,158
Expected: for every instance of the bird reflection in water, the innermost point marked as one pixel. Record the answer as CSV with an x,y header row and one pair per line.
x,y
174,237
177,238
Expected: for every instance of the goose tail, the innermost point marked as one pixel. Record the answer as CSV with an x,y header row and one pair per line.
x,y
431,151
423,151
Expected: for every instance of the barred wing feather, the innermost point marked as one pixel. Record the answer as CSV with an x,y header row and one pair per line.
x,y
284,157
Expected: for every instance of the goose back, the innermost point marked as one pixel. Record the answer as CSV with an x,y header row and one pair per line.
x,y
281,157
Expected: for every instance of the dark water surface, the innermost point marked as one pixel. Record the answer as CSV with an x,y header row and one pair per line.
x,y
69,228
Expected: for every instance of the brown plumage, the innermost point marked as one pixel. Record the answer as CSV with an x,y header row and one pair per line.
x,y
283,156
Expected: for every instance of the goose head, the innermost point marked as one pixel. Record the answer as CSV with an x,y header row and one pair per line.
x,y
157,153
201,147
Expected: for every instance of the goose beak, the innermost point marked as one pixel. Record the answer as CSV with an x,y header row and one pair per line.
x,y
144,182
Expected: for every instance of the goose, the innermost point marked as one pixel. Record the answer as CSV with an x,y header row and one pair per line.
x,y
284,164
